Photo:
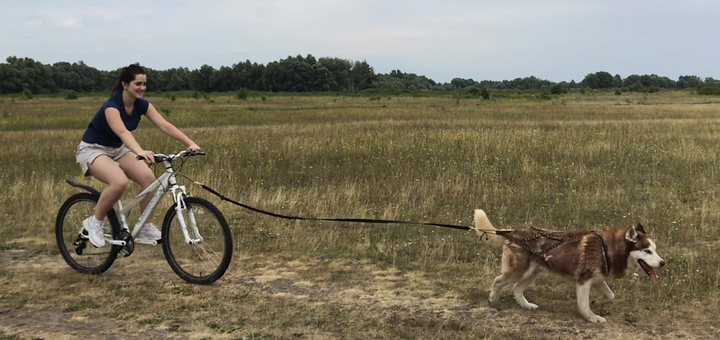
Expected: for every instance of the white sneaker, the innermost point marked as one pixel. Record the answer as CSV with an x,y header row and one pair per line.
x,y
94,230
149,233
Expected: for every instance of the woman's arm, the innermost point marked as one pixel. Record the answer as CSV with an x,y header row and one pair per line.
x,y
116,125
169,129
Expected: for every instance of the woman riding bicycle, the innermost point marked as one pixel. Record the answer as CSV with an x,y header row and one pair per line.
x,y
108,151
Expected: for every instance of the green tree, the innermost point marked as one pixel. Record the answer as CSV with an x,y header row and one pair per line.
x,y
590,81
293,74
362,76
10,81
178,79
617,81
27,74
598,80
340,73
460,83
558,89
202,79
631,80
604,80
688,82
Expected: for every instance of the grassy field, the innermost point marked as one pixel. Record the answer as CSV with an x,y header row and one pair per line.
x,y
580,161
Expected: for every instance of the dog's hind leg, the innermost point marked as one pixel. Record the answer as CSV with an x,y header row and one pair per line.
x,y
607,293
498,284
527,279
583,300
509,276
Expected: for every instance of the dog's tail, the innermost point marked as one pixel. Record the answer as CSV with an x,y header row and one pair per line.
x,y
485,229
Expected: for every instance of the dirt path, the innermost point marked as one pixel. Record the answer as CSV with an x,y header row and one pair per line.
x,y
280,299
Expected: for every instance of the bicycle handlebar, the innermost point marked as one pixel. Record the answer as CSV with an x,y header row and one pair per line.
x,y
161,157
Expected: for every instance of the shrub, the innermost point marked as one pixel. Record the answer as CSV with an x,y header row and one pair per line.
x,y
475,92
637,87
544,96
712,90
71,95
241,94
485,94
558,89
652,89
26,94
472,92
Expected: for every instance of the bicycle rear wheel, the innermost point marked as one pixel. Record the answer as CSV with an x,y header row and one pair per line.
x,y
203,262
75,248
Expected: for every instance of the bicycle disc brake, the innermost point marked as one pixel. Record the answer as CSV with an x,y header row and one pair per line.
x,y
129,247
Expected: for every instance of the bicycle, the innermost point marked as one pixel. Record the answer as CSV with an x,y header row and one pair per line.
x,y
195,238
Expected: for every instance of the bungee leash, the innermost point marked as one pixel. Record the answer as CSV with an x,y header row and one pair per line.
x,y
354,220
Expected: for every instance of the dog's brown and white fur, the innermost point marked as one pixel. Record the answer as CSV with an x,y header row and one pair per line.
x,y
584,260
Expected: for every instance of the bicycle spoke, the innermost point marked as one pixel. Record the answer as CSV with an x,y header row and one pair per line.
x,y
76,249
204,261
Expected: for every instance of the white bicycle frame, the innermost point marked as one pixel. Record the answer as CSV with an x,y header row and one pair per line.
x,y
166,182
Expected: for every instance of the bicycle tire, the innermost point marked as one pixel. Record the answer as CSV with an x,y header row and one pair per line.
x,y
204,262
78,252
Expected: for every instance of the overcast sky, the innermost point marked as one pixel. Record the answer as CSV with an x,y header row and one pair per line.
x,y
557,40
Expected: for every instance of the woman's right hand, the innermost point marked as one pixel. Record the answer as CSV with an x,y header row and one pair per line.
x,y
148,156
193,147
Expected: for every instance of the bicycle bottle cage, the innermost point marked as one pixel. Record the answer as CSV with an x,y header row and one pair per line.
x,y
83,186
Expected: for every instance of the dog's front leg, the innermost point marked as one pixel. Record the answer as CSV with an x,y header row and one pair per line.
x,y
519,290
583,300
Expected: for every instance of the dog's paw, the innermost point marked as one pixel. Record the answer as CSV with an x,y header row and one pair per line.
x,y
600,302
529,306
596,319
493,298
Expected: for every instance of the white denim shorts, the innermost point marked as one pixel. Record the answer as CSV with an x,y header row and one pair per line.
x,y
86,154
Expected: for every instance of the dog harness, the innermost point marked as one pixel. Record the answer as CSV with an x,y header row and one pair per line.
x,y
560,240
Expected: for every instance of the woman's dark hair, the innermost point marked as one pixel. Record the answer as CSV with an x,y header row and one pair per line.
x,y
127,75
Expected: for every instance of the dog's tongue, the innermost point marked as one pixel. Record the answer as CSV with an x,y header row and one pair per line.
x,y
653,277
649,270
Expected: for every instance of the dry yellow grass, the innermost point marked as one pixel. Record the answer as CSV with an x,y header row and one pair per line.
x,y
578,161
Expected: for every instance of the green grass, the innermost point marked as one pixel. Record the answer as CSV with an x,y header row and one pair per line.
x,y
571,162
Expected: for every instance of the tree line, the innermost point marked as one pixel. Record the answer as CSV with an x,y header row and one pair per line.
x,y
298,74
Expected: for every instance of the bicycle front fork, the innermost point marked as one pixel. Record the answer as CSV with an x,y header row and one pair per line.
x,y
179,195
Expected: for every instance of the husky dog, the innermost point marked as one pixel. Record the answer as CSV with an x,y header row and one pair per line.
x,y
587,257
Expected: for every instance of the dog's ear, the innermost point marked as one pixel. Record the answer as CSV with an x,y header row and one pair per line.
x,y
631,235
640,229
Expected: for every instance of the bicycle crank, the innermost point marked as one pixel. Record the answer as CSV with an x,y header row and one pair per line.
x,y
129,247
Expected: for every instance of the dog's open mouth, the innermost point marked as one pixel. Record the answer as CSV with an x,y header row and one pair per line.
x,y
649,270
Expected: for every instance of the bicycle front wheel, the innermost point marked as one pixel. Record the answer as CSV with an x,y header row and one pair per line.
x,y
207,259
75,248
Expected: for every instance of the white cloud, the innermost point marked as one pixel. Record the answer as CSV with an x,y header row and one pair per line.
x,y
69,23
33,23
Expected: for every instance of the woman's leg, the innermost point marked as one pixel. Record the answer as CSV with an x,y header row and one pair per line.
x,y
105,170
140,173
